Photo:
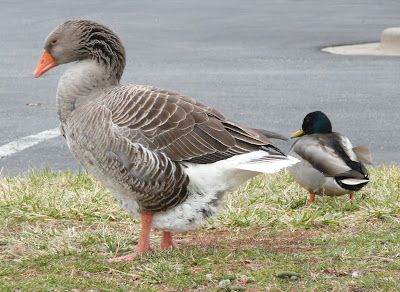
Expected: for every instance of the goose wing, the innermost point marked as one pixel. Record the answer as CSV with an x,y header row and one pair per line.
x,y
178,126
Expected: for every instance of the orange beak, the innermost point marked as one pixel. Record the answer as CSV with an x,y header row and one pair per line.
x,y
46,63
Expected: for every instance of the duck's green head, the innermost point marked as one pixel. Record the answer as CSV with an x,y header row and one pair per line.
x,y
314,123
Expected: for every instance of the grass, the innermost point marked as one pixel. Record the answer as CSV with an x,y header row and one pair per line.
x,y
57,231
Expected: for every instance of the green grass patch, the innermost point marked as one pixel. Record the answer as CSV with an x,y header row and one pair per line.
x,y
57,230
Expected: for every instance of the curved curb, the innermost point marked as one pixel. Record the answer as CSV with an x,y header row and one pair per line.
x,y
389,46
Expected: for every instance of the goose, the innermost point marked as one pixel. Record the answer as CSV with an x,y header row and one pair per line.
x,y
168,160
329,163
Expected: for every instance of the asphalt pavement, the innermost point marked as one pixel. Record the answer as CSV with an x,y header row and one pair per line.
x,y
258,62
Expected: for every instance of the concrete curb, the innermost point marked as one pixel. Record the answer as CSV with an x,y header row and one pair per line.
x,y
389,46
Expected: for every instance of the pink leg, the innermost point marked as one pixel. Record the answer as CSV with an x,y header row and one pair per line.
x,y
166,240
3,186
144,240
312,197
351,198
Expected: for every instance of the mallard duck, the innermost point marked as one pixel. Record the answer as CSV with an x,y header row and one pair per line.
x,y
168,159
329,163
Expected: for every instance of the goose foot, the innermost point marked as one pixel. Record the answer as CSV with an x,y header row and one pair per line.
x,y
3,186
144,240
312,198
166,240
128,257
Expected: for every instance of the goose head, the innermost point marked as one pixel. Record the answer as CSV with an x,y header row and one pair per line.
x,y
76,40
314,123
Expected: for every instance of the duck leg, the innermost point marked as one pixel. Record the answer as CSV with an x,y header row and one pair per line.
x,y
144,240
351,198
312,198
166,240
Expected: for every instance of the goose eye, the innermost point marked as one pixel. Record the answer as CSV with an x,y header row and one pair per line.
x,y
53,42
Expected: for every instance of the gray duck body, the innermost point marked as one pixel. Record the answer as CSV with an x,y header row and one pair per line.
x,y
329,165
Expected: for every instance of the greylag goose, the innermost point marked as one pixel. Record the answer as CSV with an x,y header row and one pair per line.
x,y
168,159
329,163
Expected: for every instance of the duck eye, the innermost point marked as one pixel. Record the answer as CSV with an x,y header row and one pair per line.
x,y
53,42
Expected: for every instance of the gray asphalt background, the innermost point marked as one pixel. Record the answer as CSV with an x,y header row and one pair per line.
x,y
258,62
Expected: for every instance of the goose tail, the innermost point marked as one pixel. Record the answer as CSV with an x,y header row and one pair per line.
x,y
270,163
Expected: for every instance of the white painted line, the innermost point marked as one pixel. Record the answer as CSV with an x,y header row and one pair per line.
x,y
28,141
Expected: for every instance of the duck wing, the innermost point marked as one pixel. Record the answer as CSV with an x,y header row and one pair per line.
x,y
331,154
363,154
